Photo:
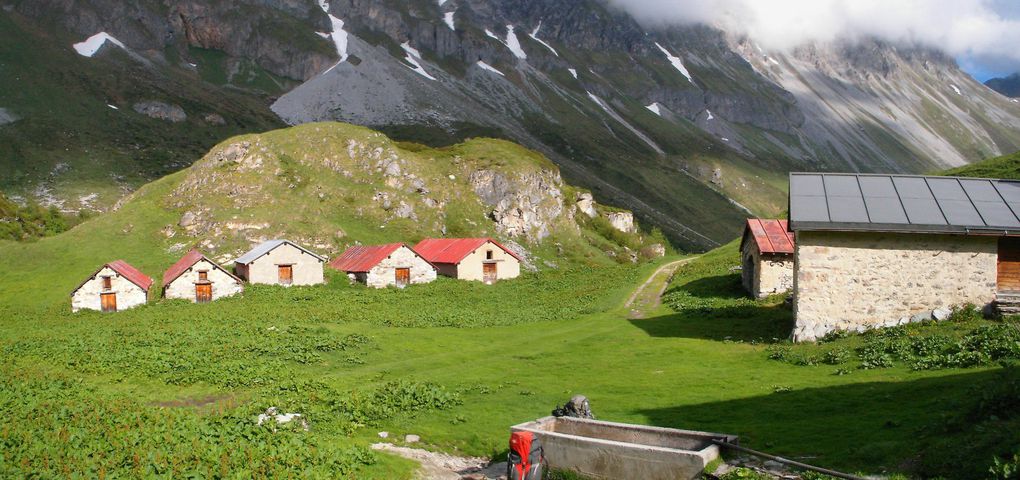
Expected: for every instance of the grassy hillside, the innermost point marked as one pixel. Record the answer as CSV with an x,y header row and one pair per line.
x,y
1006,166
78,139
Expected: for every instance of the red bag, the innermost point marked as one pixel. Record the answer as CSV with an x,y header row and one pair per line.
x,y
525,461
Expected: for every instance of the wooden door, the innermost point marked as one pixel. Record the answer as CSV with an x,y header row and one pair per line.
x,y
1009,264
403,277
203,292
108,302
286,274
489,272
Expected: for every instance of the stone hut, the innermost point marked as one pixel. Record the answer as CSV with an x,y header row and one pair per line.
x,y
482,259
197,278
280,262
883,250
380,266
766,257
115,286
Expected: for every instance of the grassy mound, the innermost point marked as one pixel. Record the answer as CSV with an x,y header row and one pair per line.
x,y
1006,166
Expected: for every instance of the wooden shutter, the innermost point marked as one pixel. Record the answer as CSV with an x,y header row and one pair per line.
x,y
286,274
1009,264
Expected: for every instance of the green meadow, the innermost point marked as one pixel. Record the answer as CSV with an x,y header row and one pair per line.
x,y
173,388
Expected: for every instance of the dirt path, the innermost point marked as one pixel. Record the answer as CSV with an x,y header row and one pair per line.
x,y
648,296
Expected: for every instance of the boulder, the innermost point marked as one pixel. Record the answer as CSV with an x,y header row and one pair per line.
x,y
586,204
214,119
622,221
942,313
411,438
161,111
7,116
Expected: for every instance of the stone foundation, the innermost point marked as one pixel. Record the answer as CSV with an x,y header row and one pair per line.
x,y
862,280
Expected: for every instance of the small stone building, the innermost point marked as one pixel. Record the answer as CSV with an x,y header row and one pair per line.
x,y
115,286
380,266
482,259
883,250
197,278
766,257
280,262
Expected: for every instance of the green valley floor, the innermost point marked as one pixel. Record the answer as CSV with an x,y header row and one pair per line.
x,y
174,389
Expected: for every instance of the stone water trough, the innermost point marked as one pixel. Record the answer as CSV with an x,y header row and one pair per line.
x,y
609,450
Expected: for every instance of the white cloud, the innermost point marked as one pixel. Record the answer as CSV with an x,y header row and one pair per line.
x,y
985,30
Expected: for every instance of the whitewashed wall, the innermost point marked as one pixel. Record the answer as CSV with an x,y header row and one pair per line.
x,y
128,294
384,274
307,268
223,285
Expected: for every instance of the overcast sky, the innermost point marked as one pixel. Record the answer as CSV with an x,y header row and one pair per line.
x,y
983,35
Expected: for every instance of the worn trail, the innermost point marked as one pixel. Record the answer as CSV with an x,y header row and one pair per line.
x,y
648,296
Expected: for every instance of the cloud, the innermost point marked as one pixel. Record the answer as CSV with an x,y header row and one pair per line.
x,y
985,32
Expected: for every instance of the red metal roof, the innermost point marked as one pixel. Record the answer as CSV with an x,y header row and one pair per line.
x,y
130,273
771,236
361,258
453,250
187,261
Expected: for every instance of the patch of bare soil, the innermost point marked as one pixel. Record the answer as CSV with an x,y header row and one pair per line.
x,y
443,466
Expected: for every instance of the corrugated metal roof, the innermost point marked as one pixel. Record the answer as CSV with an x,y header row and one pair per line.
x,y
904,203
125,270
187,261
453,250
268,246
130,273
771,236
361,258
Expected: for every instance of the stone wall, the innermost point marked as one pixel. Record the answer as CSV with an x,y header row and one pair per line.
x,y
307,268
128,294
384,274
764,275
223,285
471,267
862,280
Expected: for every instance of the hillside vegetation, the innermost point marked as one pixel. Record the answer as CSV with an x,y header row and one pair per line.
x,y
1006,166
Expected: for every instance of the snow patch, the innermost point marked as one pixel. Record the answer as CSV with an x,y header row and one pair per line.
x,y
339,37
448,19
534,36
654,107
709,112
493,35
322,34
324,5
413,55
573,73
112,106
955,89
441,2
1014,100
676,61
615,116
514,44
92,44
724,139
486,66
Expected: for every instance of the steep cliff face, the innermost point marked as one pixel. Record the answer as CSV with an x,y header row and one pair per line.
x,y
690,127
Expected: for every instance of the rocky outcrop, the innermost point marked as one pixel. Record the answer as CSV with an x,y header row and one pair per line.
x,y
161,111
622,221
524,205
586,204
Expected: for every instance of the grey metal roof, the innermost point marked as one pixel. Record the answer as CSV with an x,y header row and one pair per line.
x,y
268,246
904,203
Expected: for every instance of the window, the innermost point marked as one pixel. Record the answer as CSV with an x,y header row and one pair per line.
x,y
107,283
203,276
488,254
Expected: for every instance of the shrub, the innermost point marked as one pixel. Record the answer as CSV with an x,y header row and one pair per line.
x,y
965,313
836,356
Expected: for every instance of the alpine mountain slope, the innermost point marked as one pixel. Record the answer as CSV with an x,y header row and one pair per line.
x,y
690,127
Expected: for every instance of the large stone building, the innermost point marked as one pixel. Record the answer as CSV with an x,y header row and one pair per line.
x,y
280,262
482,259
197,278
883,250
393,264
115,286
766,257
